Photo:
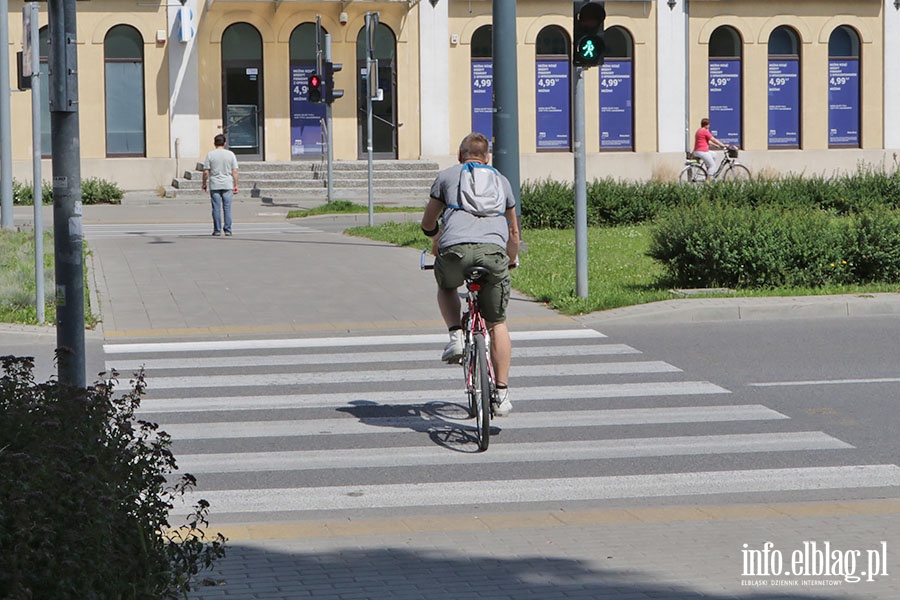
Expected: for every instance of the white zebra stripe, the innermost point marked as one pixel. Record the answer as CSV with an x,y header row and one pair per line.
x,y
254,462
335,400
426,421
380,376
430,355
544,490
332,342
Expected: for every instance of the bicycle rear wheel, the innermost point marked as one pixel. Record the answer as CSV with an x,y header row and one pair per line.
x,y
481,392
736,172
694,173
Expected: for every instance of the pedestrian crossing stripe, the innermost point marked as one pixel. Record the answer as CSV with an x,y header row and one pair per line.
x,y
255,462
572,489
388,375
426,421
272,360
331,400
332,342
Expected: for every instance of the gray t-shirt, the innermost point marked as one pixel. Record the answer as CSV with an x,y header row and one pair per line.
x,y
220,163
460,227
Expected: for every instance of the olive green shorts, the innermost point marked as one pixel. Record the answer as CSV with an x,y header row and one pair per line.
x,y
451,262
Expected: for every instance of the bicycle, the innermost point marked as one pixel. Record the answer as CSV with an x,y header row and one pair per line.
x,y
729,169
481,384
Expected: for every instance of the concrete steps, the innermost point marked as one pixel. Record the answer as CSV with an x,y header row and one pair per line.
x,y
393,181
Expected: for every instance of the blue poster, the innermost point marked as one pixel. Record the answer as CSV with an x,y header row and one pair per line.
x,y
552,105
784,103
306,117
483,97
616,105
725,100
843,102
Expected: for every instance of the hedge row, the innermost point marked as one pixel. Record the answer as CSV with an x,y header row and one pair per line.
x,y
710,245
93,191
551,204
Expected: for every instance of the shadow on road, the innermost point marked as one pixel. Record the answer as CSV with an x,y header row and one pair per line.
x,y
445,422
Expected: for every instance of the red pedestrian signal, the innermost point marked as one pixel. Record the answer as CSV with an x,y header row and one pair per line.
x,y
315,88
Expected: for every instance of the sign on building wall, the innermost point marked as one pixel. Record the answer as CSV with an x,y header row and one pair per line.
x,y
616,105
552,104
725,100
784,103
483,97
843,102
306,116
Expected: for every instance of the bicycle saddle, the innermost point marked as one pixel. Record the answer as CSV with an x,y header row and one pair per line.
x,y
475,273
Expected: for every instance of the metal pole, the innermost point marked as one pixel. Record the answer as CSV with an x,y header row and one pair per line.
x,y
329,148
580,178
506,95
37,192
67,234
6,190
371,87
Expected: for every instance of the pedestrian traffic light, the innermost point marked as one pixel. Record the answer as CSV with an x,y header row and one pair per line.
x,y
587,34
330,93
315,88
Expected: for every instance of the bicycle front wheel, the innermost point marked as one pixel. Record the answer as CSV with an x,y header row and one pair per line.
x,y
482,392
694,173
736,172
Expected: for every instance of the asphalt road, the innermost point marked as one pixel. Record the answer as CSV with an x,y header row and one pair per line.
x,y
840,376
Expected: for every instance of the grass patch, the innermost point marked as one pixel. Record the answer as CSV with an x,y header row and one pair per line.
x,y
17,281
620,273
337,207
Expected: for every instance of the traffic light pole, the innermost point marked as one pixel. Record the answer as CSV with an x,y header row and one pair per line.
x,y
581,254
67,233
6,189
329,149
506,96
587,51
36,179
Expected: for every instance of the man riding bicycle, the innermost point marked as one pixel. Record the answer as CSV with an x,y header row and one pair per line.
x,y
478,227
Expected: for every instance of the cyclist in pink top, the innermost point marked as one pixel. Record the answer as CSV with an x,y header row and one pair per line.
x,y
703,139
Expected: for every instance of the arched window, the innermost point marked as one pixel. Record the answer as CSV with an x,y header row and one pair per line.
x,y
123,54
482,77
306,116
617,91
784,88
242,90
726,85
553,115
843,88
384,110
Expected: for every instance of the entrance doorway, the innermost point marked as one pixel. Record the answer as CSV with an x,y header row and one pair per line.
x,y
242,91
384,111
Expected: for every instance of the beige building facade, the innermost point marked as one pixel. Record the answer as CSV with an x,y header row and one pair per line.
x,y
804,86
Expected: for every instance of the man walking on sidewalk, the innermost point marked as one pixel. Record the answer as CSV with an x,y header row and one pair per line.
x,y
220,175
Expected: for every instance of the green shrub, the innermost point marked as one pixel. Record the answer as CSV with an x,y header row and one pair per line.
x,y
93,191
23,193
551,204
84,497
100,191
745,247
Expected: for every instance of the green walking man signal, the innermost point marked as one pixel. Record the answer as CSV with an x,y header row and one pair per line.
x,y
587,33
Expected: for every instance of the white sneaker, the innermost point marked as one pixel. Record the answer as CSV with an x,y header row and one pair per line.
x,y
453,351
502,405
